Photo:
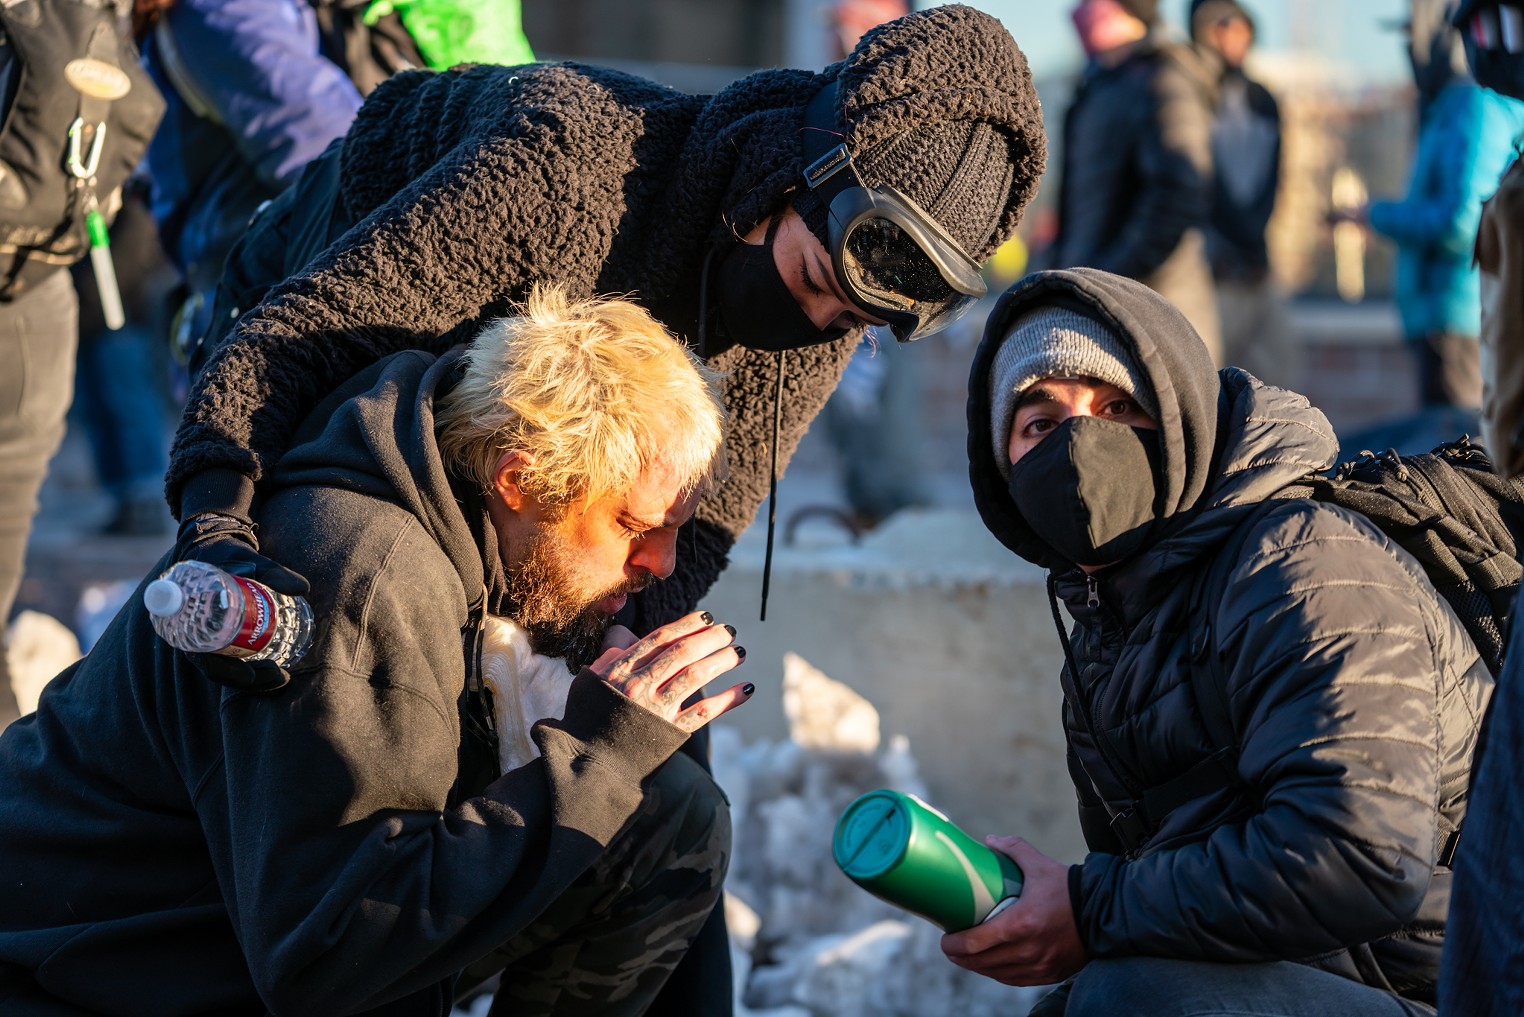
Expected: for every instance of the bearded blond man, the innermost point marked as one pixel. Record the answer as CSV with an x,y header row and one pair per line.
x,y
470,768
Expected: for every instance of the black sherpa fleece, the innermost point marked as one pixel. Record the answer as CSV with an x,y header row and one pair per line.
x,y
470,186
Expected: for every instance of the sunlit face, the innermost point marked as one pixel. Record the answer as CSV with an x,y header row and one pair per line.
x,y
806,268
1232,37
1050,402
1105,25
571,568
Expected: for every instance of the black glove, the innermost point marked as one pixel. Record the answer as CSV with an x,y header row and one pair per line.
x,y
229,543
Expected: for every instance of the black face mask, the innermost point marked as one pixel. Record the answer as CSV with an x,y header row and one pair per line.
x,y
756,308
1089,489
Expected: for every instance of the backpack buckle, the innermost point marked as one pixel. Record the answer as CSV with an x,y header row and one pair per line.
x,y
1129,829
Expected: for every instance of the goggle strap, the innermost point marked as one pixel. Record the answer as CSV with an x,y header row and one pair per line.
x,y
828,168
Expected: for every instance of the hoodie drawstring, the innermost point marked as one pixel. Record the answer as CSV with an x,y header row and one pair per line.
x,y
772,484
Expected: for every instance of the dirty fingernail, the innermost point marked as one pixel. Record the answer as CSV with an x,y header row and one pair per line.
x,y
748,689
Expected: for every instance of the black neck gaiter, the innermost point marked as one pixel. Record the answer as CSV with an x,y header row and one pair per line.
x,y
756,308
1089,490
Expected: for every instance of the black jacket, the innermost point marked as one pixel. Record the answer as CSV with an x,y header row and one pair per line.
x,y
1353,692
472,185
1136,186
170,846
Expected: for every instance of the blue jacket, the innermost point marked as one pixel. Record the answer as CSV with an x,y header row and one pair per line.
x,y
251,99
1464,145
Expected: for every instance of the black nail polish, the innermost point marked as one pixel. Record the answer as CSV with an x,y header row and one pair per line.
x,y
740,651
732,630
748,689
707,618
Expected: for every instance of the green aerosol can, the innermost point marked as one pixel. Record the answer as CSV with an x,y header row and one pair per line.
x,y
903,851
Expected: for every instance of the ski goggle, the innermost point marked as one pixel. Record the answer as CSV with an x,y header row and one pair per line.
x,y
892,259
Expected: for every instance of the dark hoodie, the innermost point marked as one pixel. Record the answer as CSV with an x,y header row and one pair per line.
x,y
1353,693
171,846
476,184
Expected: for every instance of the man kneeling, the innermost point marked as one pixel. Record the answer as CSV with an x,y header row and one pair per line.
x,y
1270,711
362,834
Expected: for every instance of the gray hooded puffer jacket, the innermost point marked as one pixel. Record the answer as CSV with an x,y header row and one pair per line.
x,y
1353,693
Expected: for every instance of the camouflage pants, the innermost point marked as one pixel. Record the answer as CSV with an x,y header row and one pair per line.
x,y
607,944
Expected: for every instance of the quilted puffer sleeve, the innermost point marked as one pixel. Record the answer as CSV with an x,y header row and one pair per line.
x,y
1347,685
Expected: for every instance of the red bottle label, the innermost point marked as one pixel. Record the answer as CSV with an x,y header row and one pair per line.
x,y
258,619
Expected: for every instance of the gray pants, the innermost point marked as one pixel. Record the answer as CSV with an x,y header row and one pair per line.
x,y
1157,987
38,335
610,941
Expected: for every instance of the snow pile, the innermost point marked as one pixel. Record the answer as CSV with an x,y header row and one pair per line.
x,y
805,940
40,647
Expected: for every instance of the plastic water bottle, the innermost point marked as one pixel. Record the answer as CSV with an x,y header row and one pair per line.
x,y
200,608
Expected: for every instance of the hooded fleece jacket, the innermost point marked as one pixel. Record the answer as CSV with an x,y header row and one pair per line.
x,y
167,843
470,186
1353,693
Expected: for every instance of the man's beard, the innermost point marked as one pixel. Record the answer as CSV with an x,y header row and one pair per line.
x,y
546,600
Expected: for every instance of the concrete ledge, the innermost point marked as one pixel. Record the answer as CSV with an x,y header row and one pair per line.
x,y
948,634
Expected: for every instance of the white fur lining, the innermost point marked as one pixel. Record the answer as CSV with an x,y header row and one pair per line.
x,y
526,687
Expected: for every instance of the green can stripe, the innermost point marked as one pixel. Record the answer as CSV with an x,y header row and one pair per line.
x,y
95,226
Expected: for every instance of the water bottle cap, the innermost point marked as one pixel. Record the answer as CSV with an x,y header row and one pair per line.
x,y
163,597
871,835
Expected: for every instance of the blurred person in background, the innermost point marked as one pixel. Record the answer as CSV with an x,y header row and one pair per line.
x,y
1480,973
77,112
256,89
1135,186
1246,157
1465,141
122,390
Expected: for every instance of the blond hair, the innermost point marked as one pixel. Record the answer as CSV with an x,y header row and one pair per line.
x,y
595,392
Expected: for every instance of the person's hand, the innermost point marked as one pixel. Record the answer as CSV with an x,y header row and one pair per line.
x,y
660,671
1034,941
229,543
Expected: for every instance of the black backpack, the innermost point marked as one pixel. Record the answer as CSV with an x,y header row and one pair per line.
x,y
1447,508
79,111
1452,512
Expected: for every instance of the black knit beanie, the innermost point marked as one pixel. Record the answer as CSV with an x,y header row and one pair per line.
x,y
1143,10
958,171
940,105
1210,12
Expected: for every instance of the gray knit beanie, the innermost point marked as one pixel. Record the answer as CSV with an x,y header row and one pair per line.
x,y
1056,342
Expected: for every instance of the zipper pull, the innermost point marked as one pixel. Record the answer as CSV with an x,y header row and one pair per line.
x,y
1092,592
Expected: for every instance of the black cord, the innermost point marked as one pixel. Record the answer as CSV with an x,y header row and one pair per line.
x,y
772,484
